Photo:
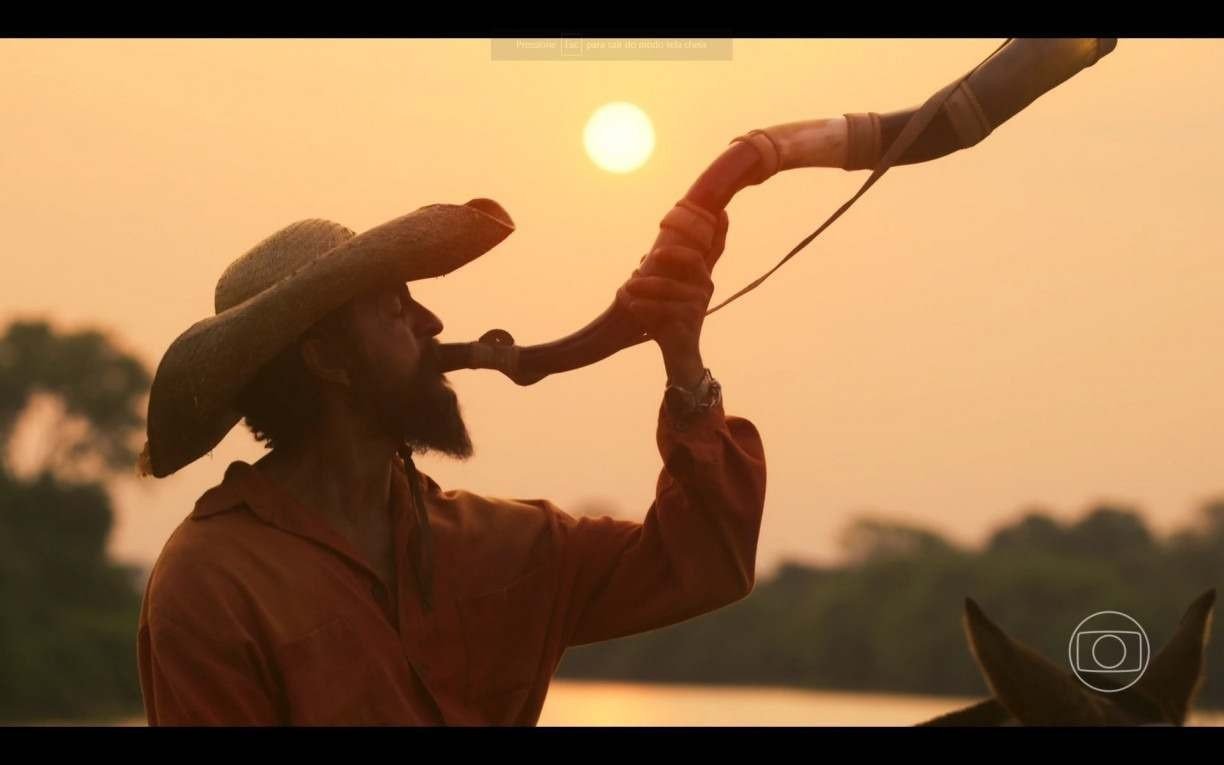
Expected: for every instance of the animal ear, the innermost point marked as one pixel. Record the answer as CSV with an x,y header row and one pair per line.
x,y
1030,687
982,714
1174,675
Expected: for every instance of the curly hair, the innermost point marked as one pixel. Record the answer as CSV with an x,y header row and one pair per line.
x,y
284,399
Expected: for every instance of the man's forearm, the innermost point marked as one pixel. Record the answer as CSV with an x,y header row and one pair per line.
x,y
684,368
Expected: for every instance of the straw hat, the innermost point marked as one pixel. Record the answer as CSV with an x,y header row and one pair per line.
x,y
268,297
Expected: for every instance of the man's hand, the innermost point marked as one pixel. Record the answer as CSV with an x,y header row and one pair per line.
x,y
668,294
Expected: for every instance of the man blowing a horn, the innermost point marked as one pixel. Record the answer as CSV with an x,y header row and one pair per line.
x,y
331,582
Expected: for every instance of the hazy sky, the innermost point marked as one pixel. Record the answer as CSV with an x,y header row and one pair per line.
x,y
1038,320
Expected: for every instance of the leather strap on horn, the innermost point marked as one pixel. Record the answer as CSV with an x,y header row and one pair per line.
x,y
770,158
692,222
862,141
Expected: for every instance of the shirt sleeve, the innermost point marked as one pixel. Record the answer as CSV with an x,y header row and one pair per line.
x,y
195,667
694,552
191,679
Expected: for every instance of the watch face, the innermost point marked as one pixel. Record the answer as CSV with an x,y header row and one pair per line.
x,y
683,403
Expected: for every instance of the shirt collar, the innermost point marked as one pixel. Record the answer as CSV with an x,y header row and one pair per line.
x,y
245,487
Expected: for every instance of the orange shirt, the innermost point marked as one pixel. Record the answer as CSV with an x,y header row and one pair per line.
x,y
258,612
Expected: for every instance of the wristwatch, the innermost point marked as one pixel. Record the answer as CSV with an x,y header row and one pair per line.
x,y
684,403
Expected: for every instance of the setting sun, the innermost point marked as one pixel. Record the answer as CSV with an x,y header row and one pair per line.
x,y
619,137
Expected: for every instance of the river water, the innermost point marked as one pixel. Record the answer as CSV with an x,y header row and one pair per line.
x,y
575,702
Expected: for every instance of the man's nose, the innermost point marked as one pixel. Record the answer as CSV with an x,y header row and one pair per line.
x,y
428,321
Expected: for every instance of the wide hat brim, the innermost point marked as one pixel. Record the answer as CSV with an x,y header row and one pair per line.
x,y
201,374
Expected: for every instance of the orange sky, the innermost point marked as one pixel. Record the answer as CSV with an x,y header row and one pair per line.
x,y
1036,320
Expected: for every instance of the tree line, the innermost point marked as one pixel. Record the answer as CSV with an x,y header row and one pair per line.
x,y
888,619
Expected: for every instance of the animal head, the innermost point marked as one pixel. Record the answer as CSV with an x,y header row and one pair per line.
x,y
1030,690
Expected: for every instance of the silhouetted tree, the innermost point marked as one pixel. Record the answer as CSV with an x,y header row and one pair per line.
x,y
890,618
67,613
99,386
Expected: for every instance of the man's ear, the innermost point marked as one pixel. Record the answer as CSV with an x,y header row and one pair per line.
x,y
323,360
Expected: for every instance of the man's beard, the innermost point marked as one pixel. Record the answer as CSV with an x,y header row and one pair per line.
x,y
424,416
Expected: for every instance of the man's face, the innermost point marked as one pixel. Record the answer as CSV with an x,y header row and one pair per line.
x,y
395,373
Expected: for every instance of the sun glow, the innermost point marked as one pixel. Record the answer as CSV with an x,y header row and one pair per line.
x,y
619,137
